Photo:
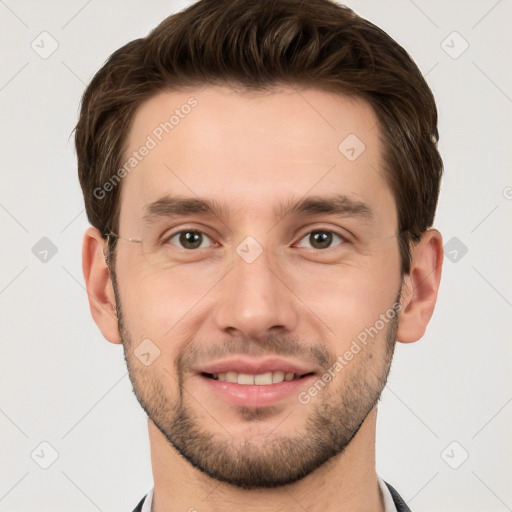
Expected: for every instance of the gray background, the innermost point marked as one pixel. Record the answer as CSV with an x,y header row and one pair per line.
x,y
449,395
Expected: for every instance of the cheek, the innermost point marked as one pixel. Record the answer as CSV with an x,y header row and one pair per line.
x,y
350,298
159,305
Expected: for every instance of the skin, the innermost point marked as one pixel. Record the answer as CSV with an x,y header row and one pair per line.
x,y
252,151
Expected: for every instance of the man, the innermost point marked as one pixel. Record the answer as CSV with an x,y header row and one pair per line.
x,y
262,179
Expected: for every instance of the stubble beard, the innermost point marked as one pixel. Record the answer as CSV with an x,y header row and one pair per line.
x,y
279,458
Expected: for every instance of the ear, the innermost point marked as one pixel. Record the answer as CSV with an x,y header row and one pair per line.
x,y
99,285
421,284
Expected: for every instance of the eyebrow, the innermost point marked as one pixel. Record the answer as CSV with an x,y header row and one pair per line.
x,y
180,206
337,204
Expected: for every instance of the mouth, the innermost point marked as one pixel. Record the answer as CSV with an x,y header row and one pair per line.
x,y
247,382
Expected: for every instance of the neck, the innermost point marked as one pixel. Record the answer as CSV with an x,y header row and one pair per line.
x,y
347,482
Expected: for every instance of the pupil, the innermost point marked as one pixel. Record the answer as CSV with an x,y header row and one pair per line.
x,y
322,238
192,238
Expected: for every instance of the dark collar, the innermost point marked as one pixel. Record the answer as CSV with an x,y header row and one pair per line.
x,y
400,504
138,508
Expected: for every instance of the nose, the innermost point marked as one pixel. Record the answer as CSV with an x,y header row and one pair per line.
x,y
255,299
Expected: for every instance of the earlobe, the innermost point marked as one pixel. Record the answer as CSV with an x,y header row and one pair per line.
x,y
99,287
421,285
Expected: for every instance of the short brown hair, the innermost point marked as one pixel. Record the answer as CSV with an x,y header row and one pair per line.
x,y
256,45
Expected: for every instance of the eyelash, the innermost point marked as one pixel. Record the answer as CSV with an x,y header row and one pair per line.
x,y
317,230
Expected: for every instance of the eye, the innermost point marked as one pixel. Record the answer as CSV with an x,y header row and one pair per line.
x,y
190,239
322,239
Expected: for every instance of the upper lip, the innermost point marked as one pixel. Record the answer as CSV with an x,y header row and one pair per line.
x,y
254,366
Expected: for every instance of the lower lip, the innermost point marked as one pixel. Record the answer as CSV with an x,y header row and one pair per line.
x,y
247,395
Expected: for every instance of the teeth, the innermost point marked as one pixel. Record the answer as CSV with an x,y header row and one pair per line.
x,y
262,379
231,376
244,378
278,377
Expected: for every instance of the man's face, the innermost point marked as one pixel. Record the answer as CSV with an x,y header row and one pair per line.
x,y
237,300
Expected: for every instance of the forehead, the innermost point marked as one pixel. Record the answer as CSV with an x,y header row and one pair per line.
x,y
253,152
